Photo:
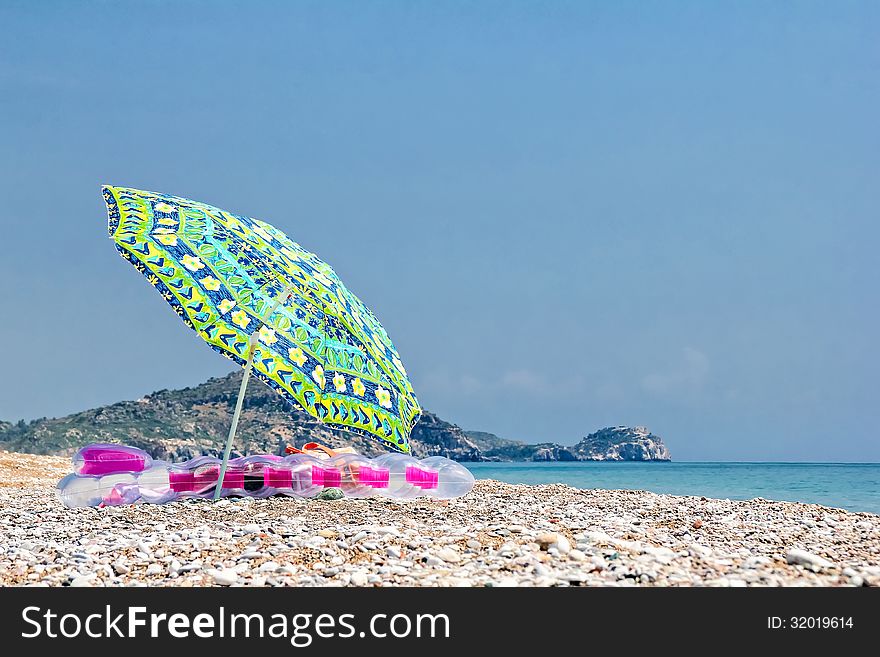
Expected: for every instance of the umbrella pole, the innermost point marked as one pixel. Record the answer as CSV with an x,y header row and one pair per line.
x,y
238,404
281,298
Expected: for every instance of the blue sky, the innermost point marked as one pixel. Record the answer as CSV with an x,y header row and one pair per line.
x,y
567,215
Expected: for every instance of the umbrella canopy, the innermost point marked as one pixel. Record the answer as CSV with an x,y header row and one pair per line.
x,y
262,300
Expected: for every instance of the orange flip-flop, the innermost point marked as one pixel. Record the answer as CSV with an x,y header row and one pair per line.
x,y
310,447
316,447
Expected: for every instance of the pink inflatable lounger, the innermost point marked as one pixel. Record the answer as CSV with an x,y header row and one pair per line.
x,y
108,475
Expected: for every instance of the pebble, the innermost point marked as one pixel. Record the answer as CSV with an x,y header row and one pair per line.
x,y
660,554
225,577
250,554
554,541
448,555
563,544
458,582
803,558
84,580
507,582
541,570
195,565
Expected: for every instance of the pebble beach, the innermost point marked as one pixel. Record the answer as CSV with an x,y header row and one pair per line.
x,y
497,535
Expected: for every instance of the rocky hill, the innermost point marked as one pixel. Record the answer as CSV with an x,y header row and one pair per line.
x,y
488,441
181,424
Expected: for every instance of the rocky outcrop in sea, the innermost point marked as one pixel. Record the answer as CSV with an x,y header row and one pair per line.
x,y
622,444
619,443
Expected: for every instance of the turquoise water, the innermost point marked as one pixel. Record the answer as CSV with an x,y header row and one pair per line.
x,y
851,486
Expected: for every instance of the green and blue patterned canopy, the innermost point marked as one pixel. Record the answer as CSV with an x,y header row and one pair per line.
x,y
223,274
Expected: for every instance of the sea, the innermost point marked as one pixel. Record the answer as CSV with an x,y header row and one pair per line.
x,y
850,486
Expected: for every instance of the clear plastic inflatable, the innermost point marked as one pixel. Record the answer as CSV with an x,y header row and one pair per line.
x,y
109,475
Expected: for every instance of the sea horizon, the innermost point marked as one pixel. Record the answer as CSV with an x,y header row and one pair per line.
x,y
849,486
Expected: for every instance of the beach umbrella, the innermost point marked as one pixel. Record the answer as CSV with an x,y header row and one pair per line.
x,y
260,299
